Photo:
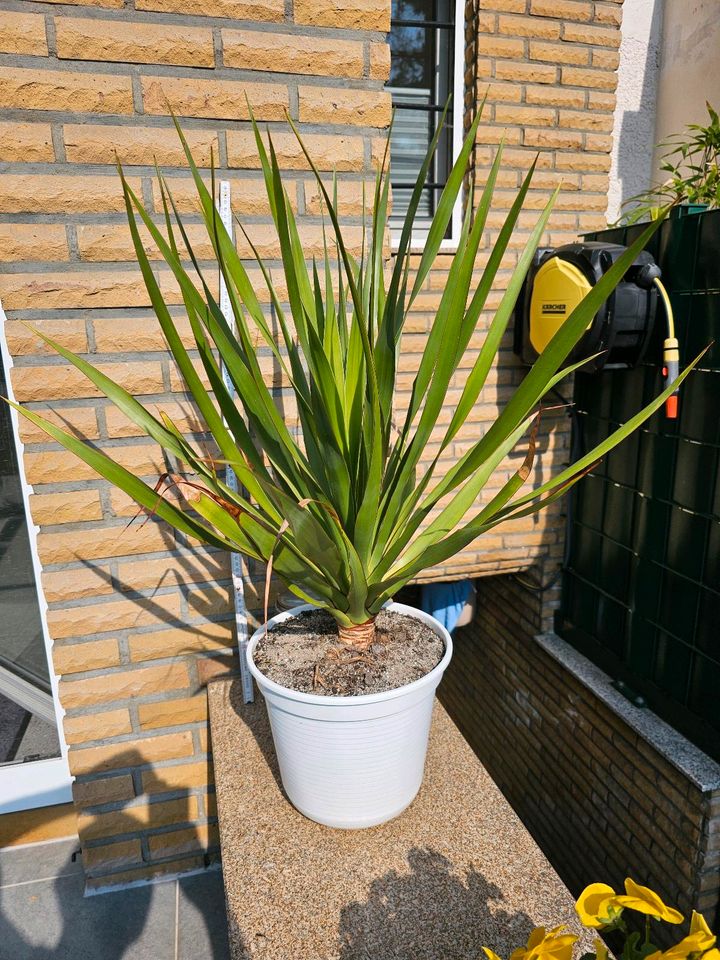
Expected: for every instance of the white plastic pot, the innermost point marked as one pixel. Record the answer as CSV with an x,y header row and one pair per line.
x,y
352,762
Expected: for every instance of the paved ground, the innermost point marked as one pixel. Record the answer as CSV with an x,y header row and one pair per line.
x,y
44,915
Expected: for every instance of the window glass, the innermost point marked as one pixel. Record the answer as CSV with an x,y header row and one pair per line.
x,y
421,80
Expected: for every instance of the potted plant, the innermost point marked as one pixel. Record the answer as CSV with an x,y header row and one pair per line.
x,y
693,181
349,514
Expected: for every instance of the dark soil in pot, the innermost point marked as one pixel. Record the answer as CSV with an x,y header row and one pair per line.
x,y
304,653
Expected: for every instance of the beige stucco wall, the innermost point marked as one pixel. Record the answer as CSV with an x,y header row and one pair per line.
x,y
689,66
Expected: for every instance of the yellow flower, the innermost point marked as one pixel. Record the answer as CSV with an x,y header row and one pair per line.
x,y
550,945
490,954
645,900
698,924
594,905
601,951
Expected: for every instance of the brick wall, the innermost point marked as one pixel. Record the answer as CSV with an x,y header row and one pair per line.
x,y
140,618
602,801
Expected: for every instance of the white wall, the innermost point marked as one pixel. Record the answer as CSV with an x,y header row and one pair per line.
x,y
634,133
690,66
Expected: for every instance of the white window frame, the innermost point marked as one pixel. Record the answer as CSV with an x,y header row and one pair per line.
x,y
38,783
449,244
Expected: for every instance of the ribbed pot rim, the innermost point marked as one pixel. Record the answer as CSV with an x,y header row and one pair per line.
x,y
366,698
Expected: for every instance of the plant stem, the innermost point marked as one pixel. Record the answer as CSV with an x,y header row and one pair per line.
x,y
359,635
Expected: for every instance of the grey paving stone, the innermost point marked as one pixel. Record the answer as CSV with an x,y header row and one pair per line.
x,y
39,861
52,920
202,921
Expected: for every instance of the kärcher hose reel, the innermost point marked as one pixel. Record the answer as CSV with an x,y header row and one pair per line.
x,y
619,333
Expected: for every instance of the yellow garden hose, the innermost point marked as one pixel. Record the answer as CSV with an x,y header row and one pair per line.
x,y
671,353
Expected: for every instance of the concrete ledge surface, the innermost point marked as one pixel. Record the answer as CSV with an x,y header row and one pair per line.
x,y
456,871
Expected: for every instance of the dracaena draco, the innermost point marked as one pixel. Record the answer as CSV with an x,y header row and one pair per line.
x,y
348,510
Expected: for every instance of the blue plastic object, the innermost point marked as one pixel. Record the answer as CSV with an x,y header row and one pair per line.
x,y
445,600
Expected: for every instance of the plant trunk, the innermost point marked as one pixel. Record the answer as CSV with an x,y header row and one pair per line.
x,y
359,635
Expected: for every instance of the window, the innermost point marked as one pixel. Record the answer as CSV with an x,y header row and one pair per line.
x,y
426,44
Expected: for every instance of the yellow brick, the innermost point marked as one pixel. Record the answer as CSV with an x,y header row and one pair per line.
x,y
586,120
606,59
247,197
60,382
222,99
178,641
145,334
48,291
598,142
63,90
185,417
30,193
64,467
90,3
584,33
524,116
171,713
379,61
23,340
180,776
79,505
113,242
494,46
267,10
22,33
175,842
488,134
559,53
109,855
555,96
582,161
32,241
369,108
562,9
64,585
112,615
600,79
529,27
210,667
595,182
97,726
328,152
608,13
292,53
525,72
123,685
87,143
91,793
348,14
98,542
106,41
79,657
92,827
349,195
116,756
26,142
601,101
198,567
553,139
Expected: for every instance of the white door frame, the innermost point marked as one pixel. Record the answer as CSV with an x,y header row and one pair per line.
x,y
38,783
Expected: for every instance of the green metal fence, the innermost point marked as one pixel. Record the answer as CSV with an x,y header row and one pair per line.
x,y
641,586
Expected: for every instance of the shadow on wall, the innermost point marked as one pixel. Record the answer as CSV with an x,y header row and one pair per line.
x,y
429,913
39,921
637,92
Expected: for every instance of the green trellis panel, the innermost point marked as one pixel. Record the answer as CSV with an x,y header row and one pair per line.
x,y
641,588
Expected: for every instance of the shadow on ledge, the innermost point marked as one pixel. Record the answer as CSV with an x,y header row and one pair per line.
x,y
432,913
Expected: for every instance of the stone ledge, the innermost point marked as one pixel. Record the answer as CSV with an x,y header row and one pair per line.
x,y
456,871
691,761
